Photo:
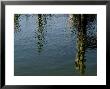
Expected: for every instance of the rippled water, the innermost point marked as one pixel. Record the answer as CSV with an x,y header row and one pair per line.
x,y
46,45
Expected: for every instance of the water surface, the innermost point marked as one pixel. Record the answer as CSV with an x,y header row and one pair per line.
x,y
46,45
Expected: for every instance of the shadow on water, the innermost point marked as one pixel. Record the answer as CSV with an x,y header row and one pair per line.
x,y
40,32
84,40
16,22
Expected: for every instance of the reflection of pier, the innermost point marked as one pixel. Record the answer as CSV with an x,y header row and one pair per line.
x,y
83,40
16,22
81,43
40,32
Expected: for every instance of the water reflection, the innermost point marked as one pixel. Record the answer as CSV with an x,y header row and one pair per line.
x,y
49,27
27,16
16,22
84,40
40,32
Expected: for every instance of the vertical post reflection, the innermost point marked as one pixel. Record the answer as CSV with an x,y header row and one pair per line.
x,y
79,22
81,44
16,22
40,32
84,40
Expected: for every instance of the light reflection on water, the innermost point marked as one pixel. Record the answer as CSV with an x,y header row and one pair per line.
x,y
53,44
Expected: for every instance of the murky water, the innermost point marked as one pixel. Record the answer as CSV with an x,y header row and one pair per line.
x,y
47,45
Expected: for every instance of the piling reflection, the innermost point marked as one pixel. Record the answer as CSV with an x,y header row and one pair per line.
x,y
16,22
84,40
40,32
81,43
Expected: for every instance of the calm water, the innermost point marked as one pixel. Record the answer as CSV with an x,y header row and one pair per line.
x,y
47,46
